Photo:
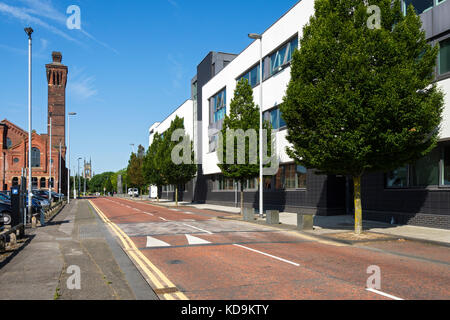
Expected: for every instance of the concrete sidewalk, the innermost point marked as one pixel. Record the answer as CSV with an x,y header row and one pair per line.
x,y
75,237
337,224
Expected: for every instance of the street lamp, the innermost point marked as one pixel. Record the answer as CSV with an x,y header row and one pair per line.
x,y
79,183
68,157
50,185
256,36
132,147
29,32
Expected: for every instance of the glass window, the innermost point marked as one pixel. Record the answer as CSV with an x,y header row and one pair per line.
x,y
290,178
425,172
444,56
43,183
219,101
282,122
301,177
446,169
225,184
397,178
419,5
15,181
274,119
283,55
34,183
35,158
8,143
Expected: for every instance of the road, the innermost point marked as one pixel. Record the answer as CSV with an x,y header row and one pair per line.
x,y
188,253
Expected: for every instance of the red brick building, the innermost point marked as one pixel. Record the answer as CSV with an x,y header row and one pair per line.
x,y
14,140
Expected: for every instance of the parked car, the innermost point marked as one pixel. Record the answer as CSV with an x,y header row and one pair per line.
x,y
5,213
133,192
40,193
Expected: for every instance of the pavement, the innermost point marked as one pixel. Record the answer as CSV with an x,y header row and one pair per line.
x,y
75,243
324,226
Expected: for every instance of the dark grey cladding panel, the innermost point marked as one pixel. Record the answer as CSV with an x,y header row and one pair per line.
x,y
437,20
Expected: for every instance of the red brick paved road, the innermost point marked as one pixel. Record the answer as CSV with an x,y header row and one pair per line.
x,y
208,258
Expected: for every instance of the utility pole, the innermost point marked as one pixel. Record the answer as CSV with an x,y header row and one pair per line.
x,y
50,185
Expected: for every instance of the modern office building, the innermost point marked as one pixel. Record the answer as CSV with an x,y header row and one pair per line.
x,y
417,194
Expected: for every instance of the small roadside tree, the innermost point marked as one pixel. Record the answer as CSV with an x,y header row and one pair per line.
x,y
177,156
152,166
361,96
238,150
134,170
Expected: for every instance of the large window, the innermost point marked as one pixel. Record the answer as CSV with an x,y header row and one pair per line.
x,y
282,56
252,76
275,118
219,106
446,168
444,56
290,176
425,172
8,143
224,184
419,5
431,170
35,158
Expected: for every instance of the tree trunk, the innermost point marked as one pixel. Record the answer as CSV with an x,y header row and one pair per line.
x,y
358,207
176,196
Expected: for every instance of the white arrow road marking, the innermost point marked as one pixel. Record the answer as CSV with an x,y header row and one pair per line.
x,y
383,294
153,242
195,240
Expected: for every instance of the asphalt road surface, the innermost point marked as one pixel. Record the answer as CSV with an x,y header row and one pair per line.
x,y
188,253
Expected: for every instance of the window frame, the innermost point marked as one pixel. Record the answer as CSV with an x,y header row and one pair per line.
x,y
444,75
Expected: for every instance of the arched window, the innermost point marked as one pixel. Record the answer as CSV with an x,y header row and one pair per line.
x,y
15,181
35,158
51,183
43,183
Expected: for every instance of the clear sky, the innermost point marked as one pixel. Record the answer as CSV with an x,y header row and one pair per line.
x,y
130,65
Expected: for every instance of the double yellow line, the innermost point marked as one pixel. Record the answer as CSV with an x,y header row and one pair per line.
x,y
159,282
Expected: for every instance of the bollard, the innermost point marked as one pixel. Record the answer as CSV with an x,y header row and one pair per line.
x,y
249,214
305,221
12,239
273,217
33,222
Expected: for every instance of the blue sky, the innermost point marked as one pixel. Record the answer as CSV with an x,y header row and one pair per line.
x,y
130,65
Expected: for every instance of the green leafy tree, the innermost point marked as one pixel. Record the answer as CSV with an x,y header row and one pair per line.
x,y
108,186
152,166
177,168
98,181
134,169
240,134
362,98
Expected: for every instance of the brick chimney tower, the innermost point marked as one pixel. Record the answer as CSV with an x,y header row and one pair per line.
x,y
57,80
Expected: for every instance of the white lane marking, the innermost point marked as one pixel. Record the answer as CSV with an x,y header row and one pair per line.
x,y
176,210
163,219
150,214
205,231
153,242
383,294
195,240
268,255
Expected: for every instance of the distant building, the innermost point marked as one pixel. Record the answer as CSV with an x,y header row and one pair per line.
x,y
14,140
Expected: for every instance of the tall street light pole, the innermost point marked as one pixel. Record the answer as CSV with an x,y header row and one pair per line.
x,y
68,156
50,185
79,181
29,32
256,36
59,172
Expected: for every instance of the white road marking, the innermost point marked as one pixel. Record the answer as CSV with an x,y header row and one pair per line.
x,y
268,255
195,240
163,219
205,231
152,242
383,294
150,214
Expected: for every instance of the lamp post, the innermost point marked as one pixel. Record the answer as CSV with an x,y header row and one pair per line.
x,y
29,32
256,36
132,147
68,156
50,185
79,181
59,172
